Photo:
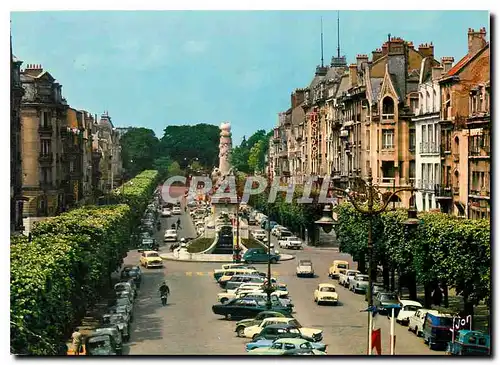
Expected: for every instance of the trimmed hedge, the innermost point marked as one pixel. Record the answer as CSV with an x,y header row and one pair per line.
x,y
61,273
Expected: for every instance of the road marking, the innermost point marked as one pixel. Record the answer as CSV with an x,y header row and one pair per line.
x,y
189,273
200,273
276,273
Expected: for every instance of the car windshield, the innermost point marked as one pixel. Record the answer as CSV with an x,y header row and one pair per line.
x,y
295,323
153,254
171,231
445,321
100,345
388,297
411,308
305,263
350,273
327,289
342,266
362,277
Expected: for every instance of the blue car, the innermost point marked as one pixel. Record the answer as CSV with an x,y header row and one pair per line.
x,y
260,255
268,343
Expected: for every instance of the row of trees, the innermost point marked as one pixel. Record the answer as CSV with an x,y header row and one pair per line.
x,y
58,275
195,146
451,251
250,155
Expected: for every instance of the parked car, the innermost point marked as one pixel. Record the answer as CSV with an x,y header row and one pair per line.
x,y
282,345
247,308
176,210
100,344
305,268
260,255
344,278
241,325
408,309
147,244
237,280
416,321
218,273
254,331
125,310
282,330
376,288
119,320
384,299
437,330
470,343
259,234
151,259
359,284
268,343
126,286
113,331
166,213
326,293
259,294
133,272
170,235
290,242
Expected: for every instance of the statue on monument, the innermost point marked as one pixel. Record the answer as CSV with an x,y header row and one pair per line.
x,y
225,145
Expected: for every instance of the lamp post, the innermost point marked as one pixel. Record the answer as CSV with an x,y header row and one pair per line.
x,y
364,203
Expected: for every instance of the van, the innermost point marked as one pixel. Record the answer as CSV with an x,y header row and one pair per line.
x,y
336,267
227,274
437,329
237,280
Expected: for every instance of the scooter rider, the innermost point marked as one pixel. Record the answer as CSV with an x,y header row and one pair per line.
x,y
164,289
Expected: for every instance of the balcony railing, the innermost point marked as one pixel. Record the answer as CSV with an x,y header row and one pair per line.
x,y
45,129
386,180
442,191
429,147
445,149
46,158
456,190
46,185
387,116
476,151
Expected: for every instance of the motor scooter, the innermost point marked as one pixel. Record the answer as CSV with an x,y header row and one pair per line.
x,y
164,299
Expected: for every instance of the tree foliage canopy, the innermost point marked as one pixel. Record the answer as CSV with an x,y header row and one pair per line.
x,y
139,148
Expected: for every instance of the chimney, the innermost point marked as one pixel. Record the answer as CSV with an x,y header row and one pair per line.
x,y
353,74
410,45
437,72
376,54
447,63
293,99
385,48
33,70
427,50
360,60
476,40
298,96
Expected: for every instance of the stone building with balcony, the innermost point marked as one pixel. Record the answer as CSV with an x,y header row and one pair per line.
x,y
456,87
87,191
16,172
43,116
72,157
427,133
479,156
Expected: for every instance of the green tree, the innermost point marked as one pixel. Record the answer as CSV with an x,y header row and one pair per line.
x,y
186,143
161,164
240,155
139,148
174,169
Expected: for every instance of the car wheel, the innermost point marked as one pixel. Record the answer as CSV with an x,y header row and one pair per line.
x,y
431,346
416,331
240,331
254,337
249,261
228,316
224,300
273,261
146,266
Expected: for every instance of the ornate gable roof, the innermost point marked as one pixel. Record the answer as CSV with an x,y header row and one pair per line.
x,y
388,87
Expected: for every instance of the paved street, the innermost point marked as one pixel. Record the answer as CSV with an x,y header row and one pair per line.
x,y
188,326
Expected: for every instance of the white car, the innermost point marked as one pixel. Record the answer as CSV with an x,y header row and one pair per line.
x,y
253,331
176,211
166,212
326,293
416,321
344,278
305,268
408,309
359,283
291,243
259,234
170,235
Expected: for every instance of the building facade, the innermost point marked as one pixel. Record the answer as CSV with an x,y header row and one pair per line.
x,y
457,86
43,117
16,172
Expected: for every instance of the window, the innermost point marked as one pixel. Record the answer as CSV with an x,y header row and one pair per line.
x,y
368,140
424,133
428,101
45,147
423,202
412,139
387,138
388,107
46,177
45,122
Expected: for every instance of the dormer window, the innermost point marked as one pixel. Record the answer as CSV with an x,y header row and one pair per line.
x,y
387,108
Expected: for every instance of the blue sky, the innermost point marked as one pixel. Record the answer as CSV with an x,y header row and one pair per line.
x,y
155,69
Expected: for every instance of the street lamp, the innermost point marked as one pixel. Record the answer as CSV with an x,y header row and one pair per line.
x,y
364,203
326,222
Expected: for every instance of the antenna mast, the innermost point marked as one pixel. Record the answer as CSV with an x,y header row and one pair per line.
x,y
338,35
322,62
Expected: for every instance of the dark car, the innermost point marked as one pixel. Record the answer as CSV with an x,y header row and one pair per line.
x,y
114,331
437,330
376,288
247,308
383,300
132,272
100,345
120,321
282,330
260,255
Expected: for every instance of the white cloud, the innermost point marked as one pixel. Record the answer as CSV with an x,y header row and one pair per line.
x,y
195,46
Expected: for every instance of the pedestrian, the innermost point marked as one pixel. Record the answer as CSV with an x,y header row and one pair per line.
x,y
178,223
437,295
76,338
